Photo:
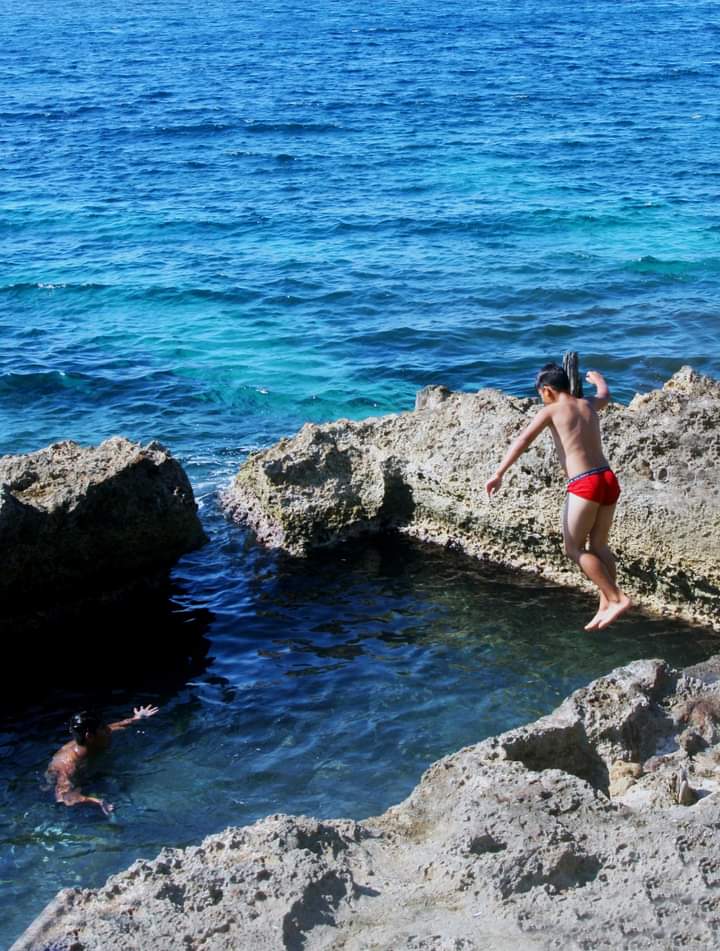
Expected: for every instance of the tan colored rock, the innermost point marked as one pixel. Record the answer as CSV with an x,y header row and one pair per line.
x,y
509,844
76,521
622,777
424,473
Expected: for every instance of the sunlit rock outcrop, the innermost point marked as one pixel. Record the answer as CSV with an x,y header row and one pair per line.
x,y
79,522
595,827
424,472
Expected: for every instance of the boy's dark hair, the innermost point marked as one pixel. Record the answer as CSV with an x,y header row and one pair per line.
x,y
87,721
553,375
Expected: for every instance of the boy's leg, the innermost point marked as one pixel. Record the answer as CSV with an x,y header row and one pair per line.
x,y
579,517
599,535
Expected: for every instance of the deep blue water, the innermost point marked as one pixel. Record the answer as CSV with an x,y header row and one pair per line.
x,y
218,222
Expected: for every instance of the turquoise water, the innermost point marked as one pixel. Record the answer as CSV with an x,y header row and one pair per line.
x,y
217,223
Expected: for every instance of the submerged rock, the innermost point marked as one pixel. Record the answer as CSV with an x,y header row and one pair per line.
x,y
517,842
81,522
424,473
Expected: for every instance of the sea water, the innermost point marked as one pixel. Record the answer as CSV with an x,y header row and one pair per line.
x,y
220,221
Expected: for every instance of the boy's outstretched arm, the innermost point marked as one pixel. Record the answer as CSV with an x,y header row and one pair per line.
x,y
68,793
602,396
75,798
138,714
517,448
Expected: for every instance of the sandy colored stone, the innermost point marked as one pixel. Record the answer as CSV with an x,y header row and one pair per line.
x,y
424,472
510,844
76,521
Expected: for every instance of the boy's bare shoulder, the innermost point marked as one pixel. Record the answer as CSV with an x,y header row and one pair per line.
x,y
67,757
549,413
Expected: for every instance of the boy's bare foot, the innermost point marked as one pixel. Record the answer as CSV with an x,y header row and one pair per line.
x,y
614,610
592,625
602,608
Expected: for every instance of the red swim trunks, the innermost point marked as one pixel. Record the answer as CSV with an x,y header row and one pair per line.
x,y
597,485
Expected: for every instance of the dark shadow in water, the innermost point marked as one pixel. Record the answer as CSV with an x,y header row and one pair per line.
x,y
146,641
333,683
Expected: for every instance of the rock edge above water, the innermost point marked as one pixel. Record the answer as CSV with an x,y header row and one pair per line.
x,y
593,828
79,522
424,472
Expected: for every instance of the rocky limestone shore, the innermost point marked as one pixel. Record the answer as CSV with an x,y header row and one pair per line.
x,y
593,828
424,472
80,522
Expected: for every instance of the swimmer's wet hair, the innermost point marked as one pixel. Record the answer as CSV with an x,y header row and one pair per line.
x,y
553,375
87,721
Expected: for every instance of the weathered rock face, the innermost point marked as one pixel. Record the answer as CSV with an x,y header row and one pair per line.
x,y
76,521
570,833
424,473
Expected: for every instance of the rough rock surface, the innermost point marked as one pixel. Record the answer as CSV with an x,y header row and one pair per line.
x,y
424,473
76,520
525,841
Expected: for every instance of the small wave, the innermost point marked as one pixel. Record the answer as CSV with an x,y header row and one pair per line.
x,y
332,296
191,129
292,127
674,267
42,382
284,300
23,287
157,94
51,115
174,294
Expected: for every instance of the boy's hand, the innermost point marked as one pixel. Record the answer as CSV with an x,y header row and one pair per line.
x,y
492,485
140,712
597,379
107,807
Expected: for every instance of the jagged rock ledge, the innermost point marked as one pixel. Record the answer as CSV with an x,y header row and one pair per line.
x,y
593,828
81,523
424,473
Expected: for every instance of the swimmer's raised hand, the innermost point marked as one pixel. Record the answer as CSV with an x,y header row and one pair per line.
x,y
139,713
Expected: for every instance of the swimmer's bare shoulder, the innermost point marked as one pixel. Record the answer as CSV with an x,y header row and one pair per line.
x,y
68,761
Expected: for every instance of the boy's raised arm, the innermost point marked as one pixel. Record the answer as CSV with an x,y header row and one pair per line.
x,y
517,448
602,395
138,714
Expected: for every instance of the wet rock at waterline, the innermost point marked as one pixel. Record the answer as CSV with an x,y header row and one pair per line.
x,y
424,473
526,840
79,522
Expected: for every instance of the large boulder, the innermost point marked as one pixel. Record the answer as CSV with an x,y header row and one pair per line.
x,y
593,828
81,522
424,472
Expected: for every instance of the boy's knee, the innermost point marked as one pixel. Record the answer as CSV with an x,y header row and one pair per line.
x,y
571,550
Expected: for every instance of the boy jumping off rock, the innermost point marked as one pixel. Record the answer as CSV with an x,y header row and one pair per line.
x,y
592,489
90,736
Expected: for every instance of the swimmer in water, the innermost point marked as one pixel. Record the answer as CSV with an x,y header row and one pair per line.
x,y
90,736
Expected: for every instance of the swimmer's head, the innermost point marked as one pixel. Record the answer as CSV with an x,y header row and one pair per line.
x,y
84,723
553,376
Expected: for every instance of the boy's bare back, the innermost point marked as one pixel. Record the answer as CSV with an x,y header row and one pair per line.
x,y
575,429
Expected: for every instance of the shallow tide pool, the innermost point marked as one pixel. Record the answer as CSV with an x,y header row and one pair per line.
x,y
323,687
